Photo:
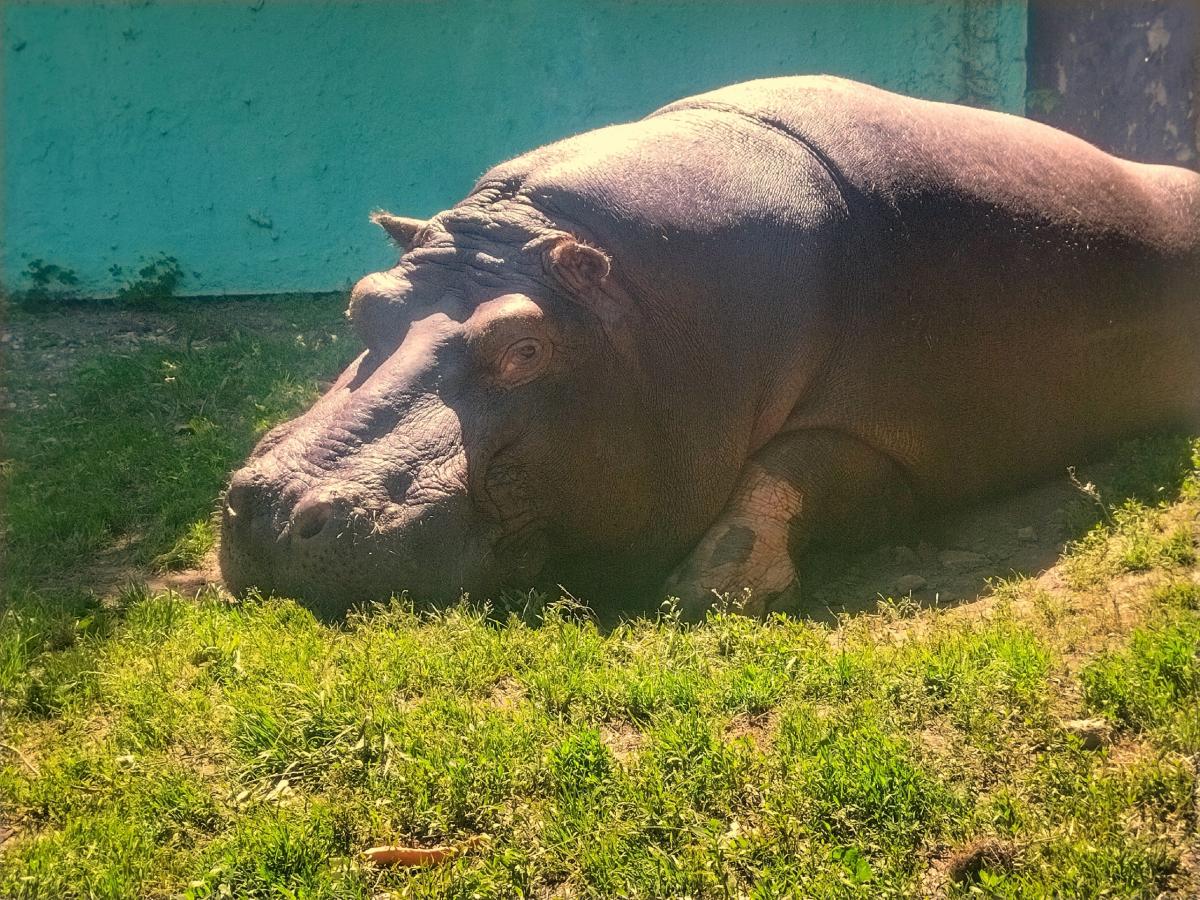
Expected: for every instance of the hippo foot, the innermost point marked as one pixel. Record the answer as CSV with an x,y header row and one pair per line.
x,y
738,565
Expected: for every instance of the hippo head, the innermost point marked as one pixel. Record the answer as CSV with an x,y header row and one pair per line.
x,y
498,429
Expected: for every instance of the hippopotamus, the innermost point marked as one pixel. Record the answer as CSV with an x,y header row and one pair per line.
x,y
666,358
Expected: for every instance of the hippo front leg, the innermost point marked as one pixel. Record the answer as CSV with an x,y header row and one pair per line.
x,y
799,486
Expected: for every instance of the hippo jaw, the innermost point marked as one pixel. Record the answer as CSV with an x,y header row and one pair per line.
x,y
338,547
332,543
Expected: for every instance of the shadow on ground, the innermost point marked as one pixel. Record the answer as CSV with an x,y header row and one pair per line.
x,y
943,560
952,558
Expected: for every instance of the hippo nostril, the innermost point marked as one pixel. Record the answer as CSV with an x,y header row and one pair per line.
x,y
238,497
310,518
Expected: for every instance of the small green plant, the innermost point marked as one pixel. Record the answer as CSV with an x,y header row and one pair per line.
x,y
1135,540
1178,594
190,549
1042,101
157,280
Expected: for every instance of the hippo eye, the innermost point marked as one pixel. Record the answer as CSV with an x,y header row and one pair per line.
x,y
522,360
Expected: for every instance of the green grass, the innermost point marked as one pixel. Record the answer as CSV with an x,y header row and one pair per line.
x,y
135,449
156,745
1153,685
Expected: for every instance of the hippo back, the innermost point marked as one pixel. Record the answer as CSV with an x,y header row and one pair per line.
x,y
901,152
943,283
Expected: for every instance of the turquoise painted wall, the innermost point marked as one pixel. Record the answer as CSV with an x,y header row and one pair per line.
x,y
250,139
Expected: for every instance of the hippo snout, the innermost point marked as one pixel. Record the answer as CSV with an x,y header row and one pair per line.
x,y
314,515
331,543
312,543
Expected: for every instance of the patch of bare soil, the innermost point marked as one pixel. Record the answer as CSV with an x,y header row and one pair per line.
x,y
759,728
188,582
950,559
1186,882
962,865
113,572
55,344
622,739
506,694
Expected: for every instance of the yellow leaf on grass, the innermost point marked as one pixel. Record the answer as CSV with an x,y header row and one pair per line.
x,y
391,855
409,856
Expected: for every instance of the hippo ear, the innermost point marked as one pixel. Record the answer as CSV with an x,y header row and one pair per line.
x,y
584,272
400,229
580,268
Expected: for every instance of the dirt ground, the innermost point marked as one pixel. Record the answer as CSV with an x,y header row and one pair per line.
x,y
950,559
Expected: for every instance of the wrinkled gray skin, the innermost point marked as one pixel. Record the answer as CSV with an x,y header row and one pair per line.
x,y
669,355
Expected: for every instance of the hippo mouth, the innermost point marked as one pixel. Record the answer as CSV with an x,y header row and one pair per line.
x,y
331,553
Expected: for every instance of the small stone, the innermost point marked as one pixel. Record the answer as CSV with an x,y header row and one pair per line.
x,y
1092,733
1027,535
905,555
961,560
906,584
